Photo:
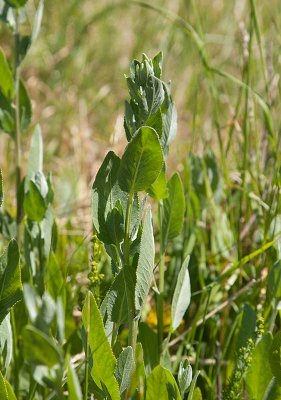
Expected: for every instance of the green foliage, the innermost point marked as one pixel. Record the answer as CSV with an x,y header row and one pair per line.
x,y
173,210
74,390
161,385
39,348
145,267
104,362
124,368
6,80
142,161
10,279
182,295
275,357
259,374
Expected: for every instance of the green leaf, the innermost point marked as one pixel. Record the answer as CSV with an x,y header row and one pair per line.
x,y
10,279
10,391
197,395
25,107
273,391
169,124
182,295
124,369
142,161
173,210
104,362
192,390
35,159
1,188
157,383
3,388
39,348
149,341
184,376
139,375
16,3
274,282
157,62
105,194
116,303
74,389
6,341
6,77
37,21
145,267
247,327
158,190
275,357
34,203
259,374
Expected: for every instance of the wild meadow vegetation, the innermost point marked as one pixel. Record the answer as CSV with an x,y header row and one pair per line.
x,y
168,286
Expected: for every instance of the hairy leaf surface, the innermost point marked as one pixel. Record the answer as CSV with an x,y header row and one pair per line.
x,y
144,274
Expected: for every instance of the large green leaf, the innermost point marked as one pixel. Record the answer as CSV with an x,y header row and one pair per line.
x,y
158,382
275,357
149,341
10,279
39,348
10,391
104,362
182,295
247,326
173,210
144,274
124,369
142,161
1,188
259,374
6,77
74,389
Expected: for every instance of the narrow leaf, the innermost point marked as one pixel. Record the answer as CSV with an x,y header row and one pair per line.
x,y
144,274
275,357
104,362
182,295
34,203
74,389
173,210
1,188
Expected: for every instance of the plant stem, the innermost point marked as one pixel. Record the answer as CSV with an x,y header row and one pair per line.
x,y
132,322
160,298
17,117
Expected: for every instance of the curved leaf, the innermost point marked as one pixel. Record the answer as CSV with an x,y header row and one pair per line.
x,y
182,295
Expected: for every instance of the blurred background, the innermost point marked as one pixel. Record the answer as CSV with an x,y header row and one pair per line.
x,y
75,77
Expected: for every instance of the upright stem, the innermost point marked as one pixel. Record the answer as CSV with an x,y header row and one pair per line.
x,y
133,323
160,299
17,116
